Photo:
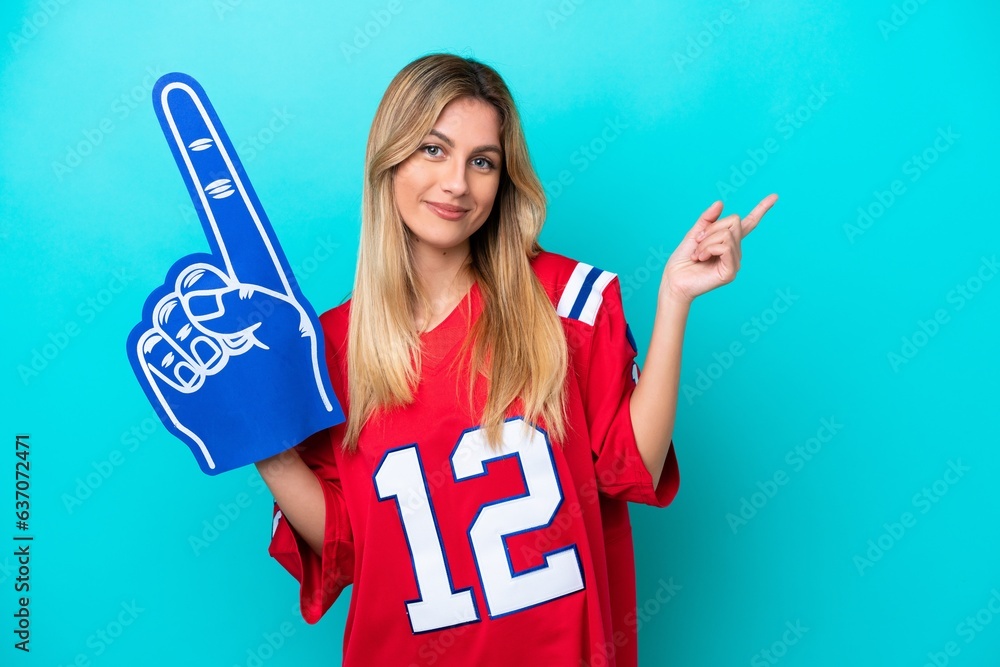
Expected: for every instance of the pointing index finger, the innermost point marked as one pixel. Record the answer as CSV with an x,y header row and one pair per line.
x,y
234,221
753,218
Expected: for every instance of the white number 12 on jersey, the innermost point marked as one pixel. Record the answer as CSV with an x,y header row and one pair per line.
x,y
400,476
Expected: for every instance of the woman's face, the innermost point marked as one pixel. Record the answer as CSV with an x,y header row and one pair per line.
x,y
445,189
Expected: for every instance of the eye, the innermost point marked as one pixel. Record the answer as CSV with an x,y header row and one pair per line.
x,y
433,150
487,164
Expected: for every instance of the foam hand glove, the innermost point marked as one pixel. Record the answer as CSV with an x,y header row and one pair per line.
x,y
229,352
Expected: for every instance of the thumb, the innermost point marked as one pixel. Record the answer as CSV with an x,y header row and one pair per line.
x,y
239,309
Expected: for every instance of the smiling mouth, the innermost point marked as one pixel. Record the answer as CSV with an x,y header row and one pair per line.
x,y
447,214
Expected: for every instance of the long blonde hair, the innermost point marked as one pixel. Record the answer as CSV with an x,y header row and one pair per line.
x,y
518,343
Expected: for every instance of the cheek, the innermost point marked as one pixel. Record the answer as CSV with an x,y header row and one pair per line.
x,y
487,193
409,176
401,179
406,191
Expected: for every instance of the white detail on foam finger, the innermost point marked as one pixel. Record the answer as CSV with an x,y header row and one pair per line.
x,y
200,144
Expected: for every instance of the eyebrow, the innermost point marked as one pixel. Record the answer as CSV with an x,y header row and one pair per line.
x,y
478,149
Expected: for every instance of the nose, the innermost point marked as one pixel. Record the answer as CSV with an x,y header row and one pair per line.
x,y
454,180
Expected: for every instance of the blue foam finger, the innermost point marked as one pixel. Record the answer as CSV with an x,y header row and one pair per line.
x,y
235,224
257,383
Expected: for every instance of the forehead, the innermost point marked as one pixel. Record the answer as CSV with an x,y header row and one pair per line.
x,y
469,120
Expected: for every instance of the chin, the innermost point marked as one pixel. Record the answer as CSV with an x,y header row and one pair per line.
x,y
438,235
440,244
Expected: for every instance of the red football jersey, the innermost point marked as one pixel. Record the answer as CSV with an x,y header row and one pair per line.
x,y
461,555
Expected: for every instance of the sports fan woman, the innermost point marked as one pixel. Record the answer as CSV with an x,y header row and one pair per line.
x,y
497,425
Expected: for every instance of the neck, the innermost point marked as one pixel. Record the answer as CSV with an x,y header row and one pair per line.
x,y
444,277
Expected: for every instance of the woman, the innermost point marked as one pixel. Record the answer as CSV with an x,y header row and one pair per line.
x,y
476,496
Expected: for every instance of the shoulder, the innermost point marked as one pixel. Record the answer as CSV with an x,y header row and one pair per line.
x,y
338,316
576,288
335,323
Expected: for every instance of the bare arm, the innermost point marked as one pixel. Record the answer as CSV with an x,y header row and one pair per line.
x,y
653,404
709,256
298,493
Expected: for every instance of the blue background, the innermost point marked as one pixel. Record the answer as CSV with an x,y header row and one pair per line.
x,y
94,212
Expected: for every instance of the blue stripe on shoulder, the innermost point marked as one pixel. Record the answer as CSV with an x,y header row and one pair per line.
x,y
585,290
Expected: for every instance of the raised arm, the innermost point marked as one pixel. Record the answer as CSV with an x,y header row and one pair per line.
x,y
709,256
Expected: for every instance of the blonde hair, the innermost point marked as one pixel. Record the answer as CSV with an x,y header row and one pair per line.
x,y
518,343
